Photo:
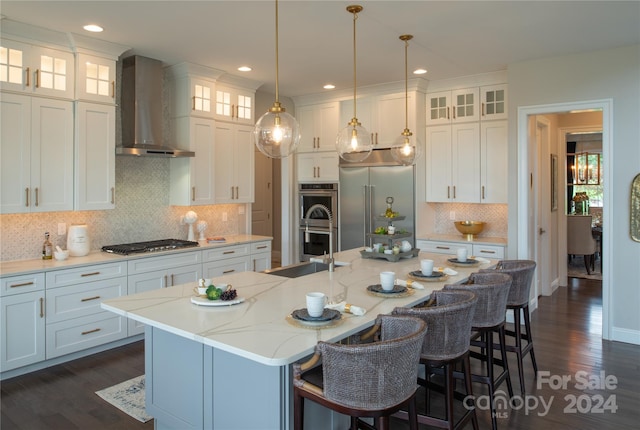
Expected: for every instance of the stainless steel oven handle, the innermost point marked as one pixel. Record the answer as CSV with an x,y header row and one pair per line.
x,y
365,191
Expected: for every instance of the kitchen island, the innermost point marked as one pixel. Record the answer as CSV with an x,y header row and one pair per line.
x,y
230,367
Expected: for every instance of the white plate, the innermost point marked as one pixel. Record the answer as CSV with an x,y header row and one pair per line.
x,y
203,301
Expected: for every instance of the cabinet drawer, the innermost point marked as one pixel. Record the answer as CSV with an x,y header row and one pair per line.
x,y
81,300
215,269
261,247
150,264
69,336
81,275
225,252
443,247
22,284
489,251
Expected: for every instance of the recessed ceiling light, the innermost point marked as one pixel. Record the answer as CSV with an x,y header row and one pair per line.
x,y
420,71
329,87
244,68
94,28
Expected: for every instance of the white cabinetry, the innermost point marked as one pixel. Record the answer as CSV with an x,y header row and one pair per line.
x,y
468,104
22,332
233,163
319,126
95,79
36,154
453,167
493,161
384,116
36,70
192,90
75,320
261,256
192,178
495,252
95,164
318,167
153,273
493,103
234,104
221,261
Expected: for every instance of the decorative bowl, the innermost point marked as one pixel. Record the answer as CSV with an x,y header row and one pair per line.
x,y
469,228
61,255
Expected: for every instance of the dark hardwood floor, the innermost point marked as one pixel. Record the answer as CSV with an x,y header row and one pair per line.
x,y
567,338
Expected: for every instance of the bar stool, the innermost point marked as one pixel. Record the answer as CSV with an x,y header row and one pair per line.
x,y
446,343
492,290
364,380
521,272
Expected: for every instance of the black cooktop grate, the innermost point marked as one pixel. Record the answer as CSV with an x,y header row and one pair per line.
x,y
150,246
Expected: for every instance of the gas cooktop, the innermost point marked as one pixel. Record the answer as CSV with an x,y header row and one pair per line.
x,y
151,246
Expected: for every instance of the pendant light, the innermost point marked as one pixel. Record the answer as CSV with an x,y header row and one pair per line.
x,y
407,148
354,141
277,133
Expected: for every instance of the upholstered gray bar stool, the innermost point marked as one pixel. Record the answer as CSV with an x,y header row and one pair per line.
x,y
521,272
364,380
492,290
446,343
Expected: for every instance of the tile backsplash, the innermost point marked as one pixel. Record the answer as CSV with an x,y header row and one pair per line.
x,y
495,215
142,213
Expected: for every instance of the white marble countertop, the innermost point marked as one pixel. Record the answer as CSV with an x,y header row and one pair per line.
x,y
257,329
22,267
482,240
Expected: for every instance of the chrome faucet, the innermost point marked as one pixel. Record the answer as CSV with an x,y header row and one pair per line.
x,y
330,233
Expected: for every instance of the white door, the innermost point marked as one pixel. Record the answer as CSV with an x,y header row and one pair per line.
x,y
262,208
544,250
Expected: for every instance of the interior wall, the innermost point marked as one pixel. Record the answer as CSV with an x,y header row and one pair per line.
x,y
602,75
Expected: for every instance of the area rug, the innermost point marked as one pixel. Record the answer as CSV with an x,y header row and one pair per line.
x,y
576,269
128,396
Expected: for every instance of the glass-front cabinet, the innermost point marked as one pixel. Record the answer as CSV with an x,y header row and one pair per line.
x,y
96,79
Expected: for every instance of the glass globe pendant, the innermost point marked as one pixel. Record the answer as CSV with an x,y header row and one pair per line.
x,y
353,142
277,133
407,148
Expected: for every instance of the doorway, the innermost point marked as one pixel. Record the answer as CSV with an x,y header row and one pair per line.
x,y
531,192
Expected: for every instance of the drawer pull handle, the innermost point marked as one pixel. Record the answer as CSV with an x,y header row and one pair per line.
x,y
41,307
87,299
262,247
442,247
229,252
28,83
484,251
113,89
26,190
24,284
91,331
229,271
89,274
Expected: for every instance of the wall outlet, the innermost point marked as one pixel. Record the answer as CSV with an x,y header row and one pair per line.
x,y
224,216
241,210
452,215
62,229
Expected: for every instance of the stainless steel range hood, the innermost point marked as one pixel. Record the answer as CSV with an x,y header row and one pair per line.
x,y
141,114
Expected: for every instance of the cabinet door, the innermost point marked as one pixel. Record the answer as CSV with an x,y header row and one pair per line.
x,y
15,71
96,79
391,118
494,102
185,275
224,162
244,162
140,283
466,162
53,75
234,104
201,98
22,331
234,163
488,251
319,126
493,160
319,167
437,247
15,149
439,108
261,262
51,155
465,105
439,161
95,157
192,179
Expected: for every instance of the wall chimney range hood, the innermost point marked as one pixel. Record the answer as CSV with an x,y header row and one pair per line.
x,y
141,110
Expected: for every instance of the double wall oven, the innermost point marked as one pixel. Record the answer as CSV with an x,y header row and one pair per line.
x,y
316,244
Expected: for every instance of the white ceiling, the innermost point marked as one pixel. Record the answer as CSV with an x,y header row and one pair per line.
x,y
451,38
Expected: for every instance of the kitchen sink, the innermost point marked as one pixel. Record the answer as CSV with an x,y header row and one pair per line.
x,y
300,269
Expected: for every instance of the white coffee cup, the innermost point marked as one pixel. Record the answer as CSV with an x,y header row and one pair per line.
x,y
427,267
316,303
391,230
387,280
377,246
461,253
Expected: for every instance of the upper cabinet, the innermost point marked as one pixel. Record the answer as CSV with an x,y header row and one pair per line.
x,y
35,69
319,126
234,163
234,104
95,79
192,90
36,154
467,105
384,116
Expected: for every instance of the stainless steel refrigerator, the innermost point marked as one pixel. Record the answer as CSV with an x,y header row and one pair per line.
x,y
363,190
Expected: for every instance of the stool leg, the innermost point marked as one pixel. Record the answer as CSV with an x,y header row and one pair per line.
x,y
466,364
413,414
298,411
487,338
518,341
448,394
527,326
503,352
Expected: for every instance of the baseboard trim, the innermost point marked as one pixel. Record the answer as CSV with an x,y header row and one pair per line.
x,y
625,335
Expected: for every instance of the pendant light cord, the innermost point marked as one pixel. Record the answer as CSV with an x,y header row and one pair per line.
x,y
355,17
277,86
406,86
